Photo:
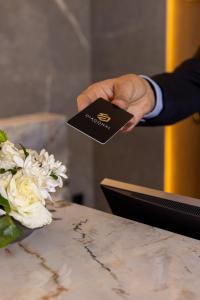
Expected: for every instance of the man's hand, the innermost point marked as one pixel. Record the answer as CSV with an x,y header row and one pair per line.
x,y
130,92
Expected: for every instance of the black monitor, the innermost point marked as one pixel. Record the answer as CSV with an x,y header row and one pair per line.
x,y
172,212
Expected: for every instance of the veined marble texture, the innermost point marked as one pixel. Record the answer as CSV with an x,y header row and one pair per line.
x,y
87,254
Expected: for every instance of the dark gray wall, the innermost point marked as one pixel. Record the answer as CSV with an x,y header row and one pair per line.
x,y
129,37
44,64
44,55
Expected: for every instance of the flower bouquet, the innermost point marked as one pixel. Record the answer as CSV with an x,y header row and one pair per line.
x,y
26,180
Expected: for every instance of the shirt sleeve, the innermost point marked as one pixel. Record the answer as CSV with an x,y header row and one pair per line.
x,y
159,99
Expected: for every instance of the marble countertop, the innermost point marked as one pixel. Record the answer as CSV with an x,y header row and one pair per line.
x,y
87,254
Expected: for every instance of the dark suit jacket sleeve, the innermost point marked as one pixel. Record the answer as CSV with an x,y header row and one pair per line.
x,y
181,92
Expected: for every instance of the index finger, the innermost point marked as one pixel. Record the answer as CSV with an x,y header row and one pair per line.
x,y
83,101
102,89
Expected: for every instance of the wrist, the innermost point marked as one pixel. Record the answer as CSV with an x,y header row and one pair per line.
x,y
150,96
158,99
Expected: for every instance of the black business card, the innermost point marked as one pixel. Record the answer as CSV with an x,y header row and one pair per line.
x,y
101,120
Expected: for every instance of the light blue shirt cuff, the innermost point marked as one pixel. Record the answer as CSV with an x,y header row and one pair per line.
x,y
159,100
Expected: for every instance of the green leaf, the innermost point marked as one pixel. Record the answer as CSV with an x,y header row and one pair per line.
x,y
14,170
25,151
5,204
3,136
2,171
54,176
9,231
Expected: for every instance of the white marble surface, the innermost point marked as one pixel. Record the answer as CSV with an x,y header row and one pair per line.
x,y
89,255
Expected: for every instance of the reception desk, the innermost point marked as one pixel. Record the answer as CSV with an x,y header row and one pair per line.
x,y
86,254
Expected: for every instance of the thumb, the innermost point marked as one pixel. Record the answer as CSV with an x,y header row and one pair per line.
x,y
123,92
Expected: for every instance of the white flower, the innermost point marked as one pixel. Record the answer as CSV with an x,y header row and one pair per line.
x,y
2,212
22,191
46,171
32,168
56,170
26,201
32,216
49,163
37,175
10,156
4,181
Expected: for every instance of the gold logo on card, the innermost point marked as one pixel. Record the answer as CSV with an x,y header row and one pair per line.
x,y
104,117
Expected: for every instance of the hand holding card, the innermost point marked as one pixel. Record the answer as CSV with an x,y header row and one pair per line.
x,y
101,120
